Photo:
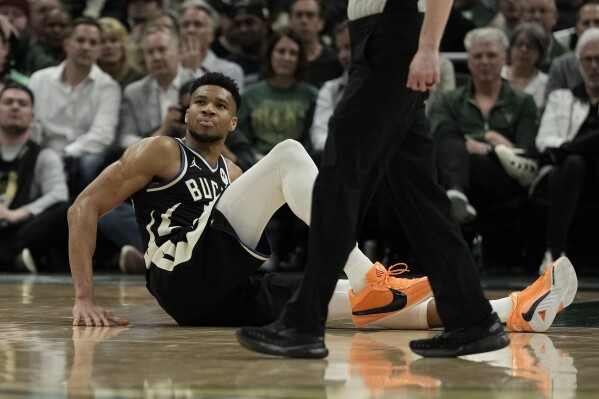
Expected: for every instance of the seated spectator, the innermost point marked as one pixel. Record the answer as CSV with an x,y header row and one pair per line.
x,y
39,11
146,101
250,32
33,189
114,56
224,44
568,145
507,17
77,105
525,55
139,12
7,72
307,21
28,57
198,26
280,106
275,109
544,13
17,12
52,33
564,72
470,120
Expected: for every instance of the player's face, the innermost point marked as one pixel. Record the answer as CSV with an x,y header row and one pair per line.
x,y
211,114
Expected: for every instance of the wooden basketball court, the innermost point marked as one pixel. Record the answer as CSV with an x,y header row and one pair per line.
x,y
43,356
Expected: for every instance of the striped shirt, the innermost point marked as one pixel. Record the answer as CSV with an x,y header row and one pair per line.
x,y
363,8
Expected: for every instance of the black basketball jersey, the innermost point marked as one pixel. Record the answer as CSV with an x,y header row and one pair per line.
x,y
172,215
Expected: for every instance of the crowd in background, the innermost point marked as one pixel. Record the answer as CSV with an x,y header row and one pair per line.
x,y
514,117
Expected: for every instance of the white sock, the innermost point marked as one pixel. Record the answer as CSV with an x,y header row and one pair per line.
x,y
412,318
339,307
356,267
502,307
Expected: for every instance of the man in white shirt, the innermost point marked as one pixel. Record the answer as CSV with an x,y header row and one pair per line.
x,y
77,104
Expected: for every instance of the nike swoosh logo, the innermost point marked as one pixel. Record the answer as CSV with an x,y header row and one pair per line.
x,y
398,302
531,312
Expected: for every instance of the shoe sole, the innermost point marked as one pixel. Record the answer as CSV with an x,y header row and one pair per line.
x,y
487,344
308,351
560,295
360,321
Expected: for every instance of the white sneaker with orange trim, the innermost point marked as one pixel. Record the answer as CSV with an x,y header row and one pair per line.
x,y
534,309
384,294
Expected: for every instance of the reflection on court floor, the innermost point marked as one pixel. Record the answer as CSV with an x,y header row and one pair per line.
x,y
43,356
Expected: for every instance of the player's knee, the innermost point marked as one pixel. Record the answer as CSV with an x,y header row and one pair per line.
x,y
291,150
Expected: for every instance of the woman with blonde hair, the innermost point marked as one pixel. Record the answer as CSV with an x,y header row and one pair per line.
x,y
115,58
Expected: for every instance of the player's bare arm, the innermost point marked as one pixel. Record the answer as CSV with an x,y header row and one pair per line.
x,y
152,159
234,170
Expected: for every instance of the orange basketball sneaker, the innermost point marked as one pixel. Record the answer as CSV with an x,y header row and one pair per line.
x,y
384,294
534,309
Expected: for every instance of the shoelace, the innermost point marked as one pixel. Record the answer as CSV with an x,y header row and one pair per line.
x,y
392,271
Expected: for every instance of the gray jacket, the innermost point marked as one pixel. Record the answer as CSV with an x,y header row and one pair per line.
x,y
140,109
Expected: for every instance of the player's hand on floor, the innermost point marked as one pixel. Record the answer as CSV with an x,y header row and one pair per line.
x,y
90,315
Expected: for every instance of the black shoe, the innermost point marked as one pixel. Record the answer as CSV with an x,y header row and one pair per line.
x,y
280,340
485,336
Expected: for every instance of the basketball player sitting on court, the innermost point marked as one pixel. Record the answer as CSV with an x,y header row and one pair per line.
x,y
203,222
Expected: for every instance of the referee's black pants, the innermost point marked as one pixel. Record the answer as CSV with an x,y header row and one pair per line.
x,y
378,132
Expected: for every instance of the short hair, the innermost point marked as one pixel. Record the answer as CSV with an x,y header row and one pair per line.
x,y
321,7
536,35
17,86
552,3
83,21
302,64
153,28
220,80
201,5
340,27
587,3
168,14
486,35
590,35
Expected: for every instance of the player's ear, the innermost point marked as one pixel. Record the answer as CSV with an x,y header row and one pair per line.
x,y
233,124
